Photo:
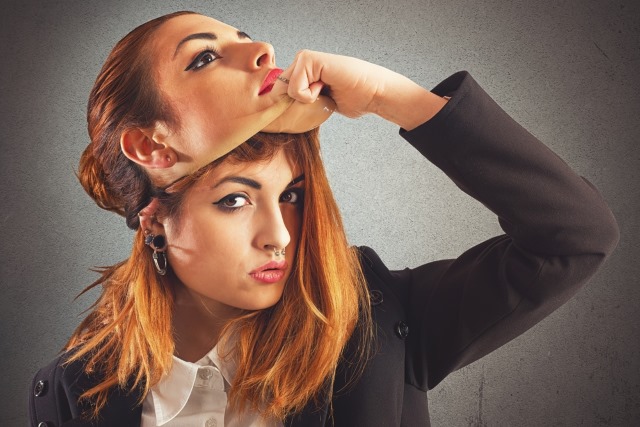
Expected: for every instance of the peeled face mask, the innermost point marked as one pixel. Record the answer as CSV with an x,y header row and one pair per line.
x,y
300,118
284,116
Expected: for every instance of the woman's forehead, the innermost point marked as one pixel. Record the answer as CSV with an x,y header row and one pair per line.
x,y
278,170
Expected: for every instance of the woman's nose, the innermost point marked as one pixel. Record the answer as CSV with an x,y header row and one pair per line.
x,y
273,232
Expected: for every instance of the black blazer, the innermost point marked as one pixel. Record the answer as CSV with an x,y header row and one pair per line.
x,y
438,317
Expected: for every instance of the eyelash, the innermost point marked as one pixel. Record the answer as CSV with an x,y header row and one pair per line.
x,y
209,50
298,192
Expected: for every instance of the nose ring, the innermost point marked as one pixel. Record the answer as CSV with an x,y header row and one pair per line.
x,y
278,252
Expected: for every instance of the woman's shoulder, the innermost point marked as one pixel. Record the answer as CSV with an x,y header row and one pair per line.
x,y
380,280
370,260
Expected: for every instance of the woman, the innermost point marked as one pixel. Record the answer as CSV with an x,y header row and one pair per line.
x,y
241,303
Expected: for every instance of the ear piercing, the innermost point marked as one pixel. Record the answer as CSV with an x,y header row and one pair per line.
x,y
158,244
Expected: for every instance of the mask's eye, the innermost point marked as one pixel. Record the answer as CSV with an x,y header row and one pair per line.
x,y
293,196
205,57
232,202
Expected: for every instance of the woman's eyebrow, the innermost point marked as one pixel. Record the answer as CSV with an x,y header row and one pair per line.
x,y
296,180
251,182
239,180
206,36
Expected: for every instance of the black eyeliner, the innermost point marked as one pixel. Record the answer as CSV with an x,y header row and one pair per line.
x,y
198,58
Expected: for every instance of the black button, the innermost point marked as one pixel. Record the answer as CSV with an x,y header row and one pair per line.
x,y
376,297
40,389
402,330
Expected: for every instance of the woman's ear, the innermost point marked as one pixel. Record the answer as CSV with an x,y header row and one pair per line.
x,y
149,220
147,147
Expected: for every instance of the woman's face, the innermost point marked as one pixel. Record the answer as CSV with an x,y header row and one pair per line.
x,y
221,245
213,76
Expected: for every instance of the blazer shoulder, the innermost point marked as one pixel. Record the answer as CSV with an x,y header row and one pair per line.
x,y
371,262
48,397
55,397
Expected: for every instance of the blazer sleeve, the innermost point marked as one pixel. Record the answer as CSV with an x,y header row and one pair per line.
x,y
558,231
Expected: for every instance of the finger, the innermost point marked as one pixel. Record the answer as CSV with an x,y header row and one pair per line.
x,y
304,81
314,90
283,79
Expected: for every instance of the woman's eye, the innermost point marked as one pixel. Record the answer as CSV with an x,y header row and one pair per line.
x,y
203,59
292,196
232,202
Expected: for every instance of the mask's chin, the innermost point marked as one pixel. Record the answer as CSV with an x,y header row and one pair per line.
x,y
284,116
299,117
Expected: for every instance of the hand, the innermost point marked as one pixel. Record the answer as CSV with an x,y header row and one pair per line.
x,y
350,82
358,87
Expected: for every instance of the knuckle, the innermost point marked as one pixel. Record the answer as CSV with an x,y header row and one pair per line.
x,y
304,53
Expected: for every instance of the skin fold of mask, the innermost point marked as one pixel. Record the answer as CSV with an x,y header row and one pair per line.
x,y
299,117
285,116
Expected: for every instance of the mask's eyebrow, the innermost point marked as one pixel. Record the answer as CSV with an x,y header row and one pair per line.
x,y
196,36
296,180
206,36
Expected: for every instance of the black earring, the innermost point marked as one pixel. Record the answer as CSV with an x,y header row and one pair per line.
x,y
158,242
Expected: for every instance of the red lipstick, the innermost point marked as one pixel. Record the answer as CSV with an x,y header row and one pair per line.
x,y
267,85
271,272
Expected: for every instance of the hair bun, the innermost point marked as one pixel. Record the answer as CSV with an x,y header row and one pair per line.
x,y
94,181
107,189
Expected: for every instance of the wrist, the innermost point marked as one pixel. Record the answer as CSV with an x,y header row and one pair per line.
x,y
406,104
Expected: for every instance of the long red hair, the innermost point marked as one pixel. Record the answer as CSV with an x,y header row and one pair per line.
x,y
285,354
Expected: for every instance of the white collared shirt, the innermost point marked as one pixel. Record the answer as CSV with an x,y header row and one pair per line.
x,y
195,394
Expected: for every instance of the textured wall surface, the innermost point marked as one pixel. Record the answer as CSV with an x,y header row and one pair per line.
x,y
567,71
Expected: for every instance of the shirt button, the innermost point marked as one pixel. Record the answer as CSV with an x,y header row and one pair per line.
x,y
402,330
211,422
205,373
40,388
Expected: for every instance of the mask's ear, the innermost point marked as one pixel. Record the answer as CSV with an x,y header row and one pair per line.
x,y
147,147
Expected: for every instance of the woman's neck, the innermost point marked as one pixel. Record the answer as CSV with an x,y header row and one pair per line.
x,y
197,324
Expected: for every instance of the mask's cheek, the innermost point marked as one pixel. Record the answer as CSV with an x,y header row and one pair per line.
x,y
200,148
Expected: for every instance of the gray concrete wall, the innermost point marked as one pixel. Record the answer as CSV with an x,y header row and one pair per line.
x,y
567,71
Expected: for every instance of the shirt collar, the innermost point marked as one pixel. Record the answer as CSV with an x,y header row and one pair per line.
x,y
172,392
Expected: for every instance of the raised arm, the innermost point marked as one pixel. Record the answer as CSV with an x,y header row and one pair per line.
x,y
558,232
558,229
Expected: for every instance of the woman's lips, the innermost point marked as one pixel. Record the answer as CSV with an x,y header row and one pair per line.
x,y
271,78
269,276
271,272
